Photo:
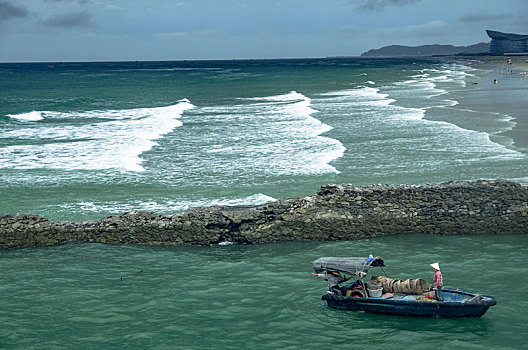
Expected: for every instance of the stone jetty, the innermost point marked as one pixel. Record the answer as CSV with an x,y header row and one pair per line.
x,y
335,212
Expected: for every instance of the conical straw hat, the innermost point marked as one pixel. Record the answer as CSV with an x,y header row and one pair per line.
x,y
435,266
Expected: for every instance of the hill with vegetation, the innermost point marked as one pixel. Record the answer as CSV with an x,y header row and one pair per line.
x,y
427,50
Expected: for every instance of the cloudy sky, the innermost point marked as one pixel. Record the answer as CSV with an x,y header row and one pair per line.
x,y
101,30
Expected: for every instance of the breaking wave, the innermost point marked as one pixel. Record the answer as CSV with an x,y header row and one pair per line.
x,y
31,116
107,139
272,134
165,206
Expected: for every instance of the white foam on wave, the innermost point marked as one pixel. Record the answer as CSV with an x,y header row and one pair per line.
x,y
371,121
428,84
361,96
383,101
279,136
450,73
426,87
31,116
109,139
292,96
165,205
405,140
362,93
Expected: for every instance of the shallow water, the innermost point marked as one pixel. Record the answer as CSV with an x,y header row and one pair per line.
x,y
91,296
87,140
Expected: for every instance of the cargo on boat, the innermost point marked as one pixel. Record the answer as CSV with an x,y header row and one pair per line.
x,y
383,295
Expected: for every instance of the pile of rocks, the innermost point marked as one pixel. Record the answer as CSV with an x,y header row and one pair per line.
x,y
336,212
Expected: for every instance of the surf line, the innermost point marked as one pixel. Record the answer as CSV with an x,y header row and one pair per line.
x,y
300,132
115,141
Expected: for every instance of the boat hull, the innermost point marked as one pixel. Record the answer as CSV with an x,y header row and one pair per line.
x,y
471,306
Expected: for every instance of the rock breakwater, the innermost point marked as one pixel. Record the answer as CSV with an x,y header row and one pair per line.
x,y
335,212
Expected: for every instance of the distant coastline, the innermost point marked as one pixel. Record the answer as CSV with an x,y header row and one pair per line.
x,y
427,50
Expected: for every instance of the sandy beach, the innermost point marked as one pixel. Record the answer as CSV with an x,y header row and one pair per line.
x,y
501,89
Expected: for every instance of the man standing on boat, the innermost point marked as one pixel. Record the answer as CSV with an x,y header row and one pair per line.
x,y
333,278
437,281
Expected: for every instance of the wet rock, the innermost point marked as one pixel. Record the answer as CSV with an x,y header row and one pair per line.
x,y
335,212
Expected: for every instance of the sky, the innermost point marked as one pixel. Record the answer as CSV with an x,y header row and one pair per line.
x,y
130,30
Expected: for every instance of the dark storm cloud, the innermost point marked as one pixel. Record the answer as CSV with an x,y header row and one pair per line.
x,y
8,11
379,5
69,20
481,17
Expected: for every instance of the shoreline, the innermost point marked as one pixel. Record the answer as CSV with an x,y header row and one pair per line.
x,y
500,92
337,212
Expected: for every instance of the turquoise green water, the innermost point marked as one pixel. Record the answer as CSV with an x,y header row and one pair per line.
x,y
82,141
86,140
88,296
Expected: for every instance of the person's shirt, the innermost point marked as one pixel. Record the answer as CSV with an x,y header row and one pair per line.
x,y
331,278
437,279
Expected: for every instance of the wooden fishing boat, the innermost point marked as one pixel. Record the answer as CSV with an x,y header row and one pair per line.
x,y
406,301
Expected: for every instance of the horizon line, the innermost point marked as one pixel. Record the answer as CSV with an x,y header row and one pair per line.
x,y
186,60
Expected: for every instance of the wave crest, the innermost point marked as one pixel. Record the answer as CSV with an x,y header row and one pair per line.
x,y
280,136
31,116
108,139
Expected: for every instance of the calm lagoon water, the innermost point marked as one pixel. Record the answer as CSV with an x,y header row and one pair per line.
x,y
91,296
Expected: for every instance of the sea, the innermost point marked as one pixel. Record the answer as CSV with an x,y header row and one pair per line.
x,y
81,141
